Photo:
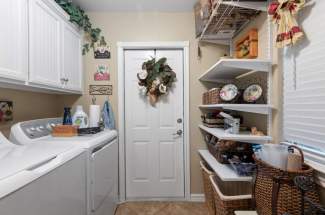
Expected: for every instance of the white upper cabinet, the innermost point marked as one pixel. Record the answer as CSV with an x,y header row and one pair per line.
x,y
72,58
40,49
44,44
13,41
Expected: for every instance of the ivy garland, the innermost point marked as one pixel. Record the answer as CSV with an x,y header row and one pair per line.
x,y
156,78
79,17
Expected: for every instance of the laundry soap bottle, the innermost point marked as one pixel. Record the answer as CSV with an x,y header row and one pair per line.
x,y
80,118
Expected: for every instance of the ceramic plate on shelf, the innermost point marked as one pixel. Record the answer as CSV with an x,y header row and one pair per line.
x,y
253,93
228,92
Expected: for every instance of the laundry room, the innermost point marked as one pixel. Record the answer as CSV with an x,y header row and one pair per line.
x,y
162,107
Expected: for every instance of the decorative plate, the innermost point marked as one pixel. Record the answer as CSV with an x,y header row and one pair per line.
x,y
253,93
228,92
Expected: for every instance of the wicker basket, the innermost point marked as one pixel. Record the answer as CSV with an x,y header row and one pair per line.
x,y
214,96
275,192
208,191
230,198
205,98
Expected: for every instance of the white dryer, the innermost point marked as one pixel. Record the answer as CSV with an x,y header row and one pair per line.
x,y
42,179
102,160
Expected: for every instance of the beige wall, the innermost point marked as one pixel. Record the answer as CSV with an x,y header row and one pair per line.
x,y
29,105
151,26
261,23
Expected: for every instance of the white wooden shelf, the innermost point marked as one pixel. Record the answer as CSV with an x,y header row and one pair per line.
x,y
226,70
241,137
250,108
224,171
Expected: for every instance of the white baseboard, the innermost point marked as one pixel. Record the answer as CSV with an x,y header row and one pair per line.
x,y
197,197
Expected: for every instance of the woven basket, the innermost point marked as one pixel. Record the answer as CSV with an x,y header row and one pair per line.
x,y
226,204
208,191
275,192
205,98
214,96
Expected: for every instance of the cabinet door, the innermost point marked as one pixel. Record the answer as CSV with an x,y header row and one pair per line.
x,y
45,44
72,58
13,40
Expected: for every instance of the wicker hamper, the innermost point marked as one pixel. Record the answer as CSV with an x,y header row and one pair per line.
x,y
214,96
275,192
208,191
230,196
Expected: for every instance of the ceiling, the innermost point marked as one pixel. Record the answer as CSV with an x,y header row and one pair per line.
x,y
136,5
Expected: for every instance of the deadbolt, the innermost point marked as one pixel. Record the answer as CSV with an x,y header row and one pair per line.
x,y
179,120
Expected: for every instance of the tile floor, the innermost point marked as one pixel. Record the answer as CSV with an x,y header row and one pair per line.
x,y
162,208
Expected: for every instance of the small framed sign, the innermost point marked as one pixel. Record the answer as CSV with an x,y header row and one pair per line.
x,y
102,73
6,111
101,49
97,90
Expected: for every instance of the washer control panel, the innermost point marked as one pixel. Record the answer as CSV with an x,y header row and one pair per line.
x,y
39,128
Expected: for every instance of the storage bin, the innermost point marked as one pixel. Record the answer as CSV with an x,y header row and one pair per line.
x,y
214,97
231,196
275,192
205,98
208,191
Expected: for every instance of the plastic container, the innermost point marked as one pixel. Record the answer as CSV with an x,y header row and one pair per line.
x,y
80,118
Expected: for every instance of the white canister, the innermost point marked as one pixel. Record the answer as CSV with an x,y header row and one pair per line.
x,y
94,115
275,154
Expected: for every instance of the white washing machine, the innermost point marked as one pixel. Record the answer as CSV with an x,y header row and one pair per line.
x,y
42,179
102,160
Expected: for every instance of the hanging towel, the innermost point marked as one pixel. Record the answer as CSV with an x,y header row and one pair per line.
x,y
108,116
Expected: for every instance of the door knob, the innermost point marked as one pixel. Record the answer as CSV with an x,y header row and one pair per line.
x,y
179,133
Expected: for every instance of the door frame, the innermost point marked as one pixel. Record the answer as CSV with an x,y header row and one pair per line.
x,y
121,47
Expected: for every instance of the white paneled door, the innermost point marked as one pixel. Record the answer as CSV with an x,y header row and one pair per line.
x,y
153,134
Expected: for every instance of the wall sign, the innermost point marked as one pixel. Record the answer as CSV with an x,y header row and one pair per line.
x,y
95,90
6,111
102,51
102,73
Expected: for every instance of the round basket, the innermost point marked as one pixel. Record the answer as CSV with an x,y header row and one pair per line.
x,y
274,190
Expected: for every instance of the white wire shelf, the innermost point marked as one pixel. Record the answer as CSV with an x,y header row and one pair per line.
x,y
228,18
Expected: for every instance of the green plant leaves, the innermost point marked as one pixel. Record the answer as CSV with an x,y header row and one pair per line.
x,y
79,17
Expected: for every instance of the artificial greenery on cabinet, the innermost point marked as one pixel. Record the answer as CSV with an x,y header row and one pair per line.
x,y
79,17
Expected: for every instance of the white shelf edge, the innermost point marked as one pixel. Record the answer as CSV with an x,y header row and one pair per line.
x,y
221,134
224,171
261,6
251,108
247,65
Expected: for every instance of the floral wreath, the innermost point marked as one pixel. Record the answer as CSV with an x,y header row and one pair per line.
x,y
155,79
